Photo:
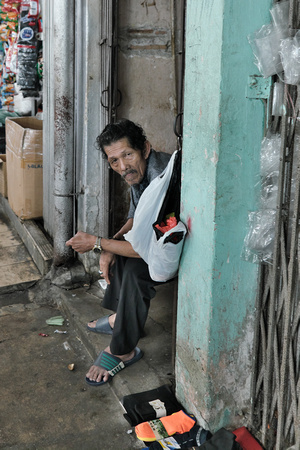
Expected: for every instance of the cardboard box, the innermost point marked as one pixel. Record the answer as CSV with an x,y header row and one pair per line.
x,y
24,158
3,176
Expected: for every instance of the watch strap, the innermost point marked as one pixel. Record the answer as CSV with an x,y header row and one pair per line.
x,y
97,247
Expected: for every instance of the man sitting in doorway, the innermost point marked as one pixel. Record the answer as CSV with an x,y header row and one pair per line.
x,y
130,287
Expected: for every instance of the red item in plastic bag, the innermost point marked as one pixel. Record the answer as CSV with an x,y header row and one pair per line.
x,y
170,223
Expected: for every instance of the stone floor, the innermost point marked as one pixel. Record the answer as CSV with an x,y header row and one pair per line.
x,y
16,266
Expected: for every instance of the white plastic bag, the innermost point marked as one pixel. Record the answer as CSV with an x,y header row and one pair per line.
x,y
162,258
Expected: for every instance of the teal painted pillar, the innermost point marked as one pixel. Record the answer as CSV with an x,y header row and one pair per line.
x,y
223,130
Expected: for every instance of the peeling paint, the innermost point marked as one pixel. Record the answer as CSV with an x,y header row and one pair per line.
x,y
215,158
189,224
172,103
239,158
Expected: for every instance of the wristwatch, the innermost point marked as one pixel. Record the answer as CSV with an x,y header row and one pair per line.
x,y
97,247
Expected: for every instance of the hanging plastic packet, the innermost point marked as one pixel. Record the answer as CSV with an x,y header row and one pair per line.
x,y
265,44
290,58
4,32
278,108
270,154
280,14
259,241
27,77
269,170
34,9
28,27
269,191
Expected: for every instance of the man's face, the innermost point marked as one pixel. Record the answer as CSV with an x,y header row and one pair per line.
x,y
129,163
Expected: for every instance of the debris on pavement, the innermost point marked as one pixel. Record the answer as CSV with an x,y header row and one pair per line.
x,y
66,346
56,320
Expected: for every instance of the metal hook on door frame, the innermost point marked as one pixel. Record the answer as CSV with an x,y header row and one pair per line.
x,y
107,90
179,135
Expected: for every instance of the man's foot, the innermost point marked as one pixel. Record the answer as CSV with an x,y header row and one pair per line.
x,y
107,362
103,325
111,321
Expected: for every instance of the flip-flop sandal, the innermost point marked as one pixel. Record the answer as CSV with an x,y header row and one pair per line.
x,y
113,365
102,326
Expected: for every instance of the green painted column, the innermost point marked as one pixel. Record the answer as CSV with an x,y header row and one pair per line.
x,y
223,130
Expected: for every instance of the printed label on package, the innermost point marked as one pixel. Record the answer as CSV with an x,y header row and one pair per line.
x,y
26,34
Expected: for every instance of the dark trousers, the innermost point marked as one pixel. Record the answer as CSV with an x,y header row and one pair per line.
x,y
128,295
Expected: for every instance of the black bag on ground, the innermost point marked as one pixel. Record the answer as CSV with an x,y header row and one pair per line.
x,y
221,440
150,405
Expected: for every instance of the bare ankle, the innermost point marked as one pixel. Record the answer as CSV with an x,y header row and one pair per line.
x,y
111,320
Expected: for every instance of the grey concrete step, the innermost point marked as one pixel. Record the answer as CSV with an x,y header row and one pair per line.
x,y
155,368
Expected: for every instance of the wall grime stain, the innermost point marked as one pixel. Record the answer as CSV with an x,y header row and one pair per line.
x,y
232,377
63,116
193,399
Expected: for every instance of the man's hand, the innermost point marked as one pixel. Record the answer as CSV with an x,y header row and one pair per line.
x,y
106,261
82,242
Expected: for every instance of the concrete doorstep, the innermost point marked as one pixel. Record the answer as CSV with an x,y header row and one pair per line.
x,y
155,368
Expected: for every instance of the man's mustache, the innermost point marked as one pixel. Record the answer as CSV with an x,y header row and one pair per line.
x,y
127,172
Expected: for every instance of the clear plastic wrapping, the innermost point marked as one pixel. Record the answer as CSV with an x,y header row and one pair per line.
x,y
269,170
270,154
290,58
259,241
27,68
278,97
265,45
280,14
269,191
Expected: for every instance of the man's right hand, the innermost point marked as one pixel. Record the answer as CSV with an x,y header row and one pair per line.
x,y
107,260
82,242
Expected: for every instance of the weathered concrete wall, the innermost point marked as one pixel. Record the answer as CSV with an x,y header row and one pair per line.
x,y
146,68
222,135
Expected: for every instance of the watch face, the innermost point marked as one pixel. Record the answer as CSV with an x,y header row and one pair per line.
x,y
97,250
